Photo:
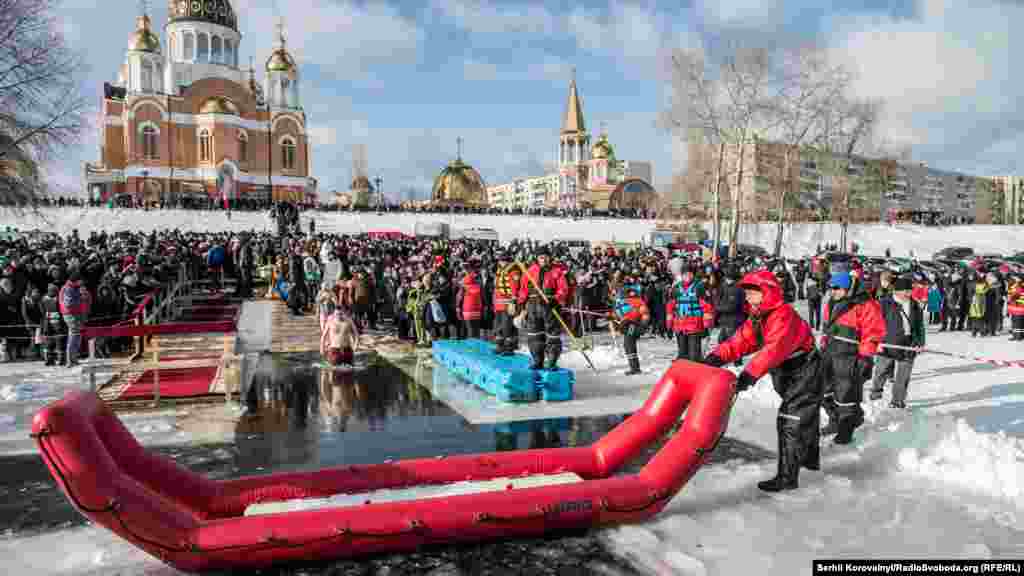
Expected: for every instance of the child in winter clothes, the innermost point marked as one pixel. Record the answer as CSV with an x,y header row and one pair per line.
x,y
935,303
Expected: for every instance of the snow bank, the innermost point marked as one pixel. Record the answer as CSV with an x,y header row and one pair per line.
x,y
798,239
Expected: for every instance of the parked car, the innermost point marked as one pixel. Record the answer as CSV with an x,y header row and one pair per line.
x,y
953,253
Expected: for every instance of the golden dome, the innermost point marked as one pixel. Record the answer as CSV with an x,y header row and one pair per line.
x,y
143,39
219,105
280,61
213,11
459,183
602,148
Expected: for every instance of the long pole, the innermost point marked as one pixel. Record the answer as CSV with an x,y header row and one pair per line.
x,y
533,281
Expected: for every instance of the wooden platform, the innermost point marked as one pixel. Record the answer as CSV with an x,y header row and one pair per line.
x,y
292,334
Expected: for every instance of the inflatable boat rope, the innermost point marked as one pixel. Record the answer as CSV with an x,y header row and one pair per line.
x,y
197,524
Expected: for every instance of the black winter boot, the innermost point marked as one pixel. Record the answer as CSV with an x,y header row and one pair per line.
x,y
789,459
634,367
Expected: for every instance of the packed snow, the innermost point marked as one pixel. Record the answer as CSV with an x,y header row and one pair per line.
x,y
799,239
944,479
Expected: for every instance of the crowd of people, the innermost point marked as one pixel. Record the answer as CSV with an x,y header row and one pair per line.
x,y
864,320
52,285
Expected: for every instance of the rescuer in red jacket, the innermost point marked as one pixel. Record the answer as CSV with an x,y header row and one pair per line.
x,y
632,316
543,331
784,346
857,319
469,300
506,285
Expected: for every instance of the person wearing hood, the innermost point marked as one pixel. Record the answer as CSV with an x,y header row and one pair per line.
x,y
31,318
854,327
53,327
689,313
632,317
783,345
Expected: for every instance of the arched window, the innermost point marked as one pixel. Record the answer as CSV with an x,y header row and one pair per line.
x,y
147,76
205,146
243,146
216,55
188,46
158,77
288,153
203,48
149,142
229,52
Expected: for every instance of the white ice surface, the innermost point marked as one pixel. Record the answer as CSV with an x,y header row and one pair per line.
x,y
946,479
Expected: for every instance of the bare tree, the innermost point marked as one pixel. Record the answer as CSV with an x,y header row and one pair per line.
x,y
846,137
42,109
721,112
807,87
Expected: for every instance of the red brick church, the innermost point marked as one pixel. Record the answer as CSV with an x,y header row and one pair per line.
x,y
183,123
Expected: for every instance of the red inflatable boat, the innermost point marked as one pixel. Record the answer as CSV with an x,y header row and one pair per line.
x,y
196,524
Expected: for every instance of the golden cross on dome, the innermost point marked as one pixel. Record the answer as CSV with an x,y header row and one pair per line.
x,y
604,128
143,7
458,144
574,74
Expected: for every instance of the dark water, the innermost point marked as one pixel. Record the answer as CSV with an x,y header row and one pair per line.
x,y
304,418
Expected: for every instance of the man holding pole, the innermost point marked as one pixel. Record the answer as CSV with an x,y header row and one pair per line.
x,y
543,290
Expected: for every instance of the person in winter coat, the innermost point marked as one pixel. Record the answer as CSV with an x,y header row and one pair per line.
x,y
904,326
689,313
632,316
935,303
415,305
469,302
966,295
994,310
728,303
978,309
1015,307
31,319
813,292
951,301
784,346
506,284
75,301
53,328
543,330
854,327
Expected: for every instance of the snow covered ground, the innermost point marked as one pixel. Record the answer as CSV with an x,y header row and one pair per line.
x,y
799,239
945,479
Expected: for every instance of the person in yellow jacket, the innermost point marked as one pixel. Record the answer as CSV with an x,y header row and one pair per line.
x,y
979,303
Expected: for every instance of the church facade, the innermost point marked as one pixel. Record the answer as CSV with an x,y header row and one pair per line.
x,y
185,123
589,177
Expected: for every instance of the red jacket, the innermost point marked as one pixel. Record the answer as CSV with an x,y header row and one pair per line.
x,y
553,283
920,293
470,297
783,332
1015,300
688,310
861,319
506,287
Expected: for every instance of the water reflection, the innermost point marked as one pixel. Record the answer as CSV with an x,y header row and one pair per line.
x,y
302,416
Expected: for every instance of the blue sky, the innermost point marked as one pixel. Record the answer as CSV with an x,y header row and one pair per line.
x,y
407,79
